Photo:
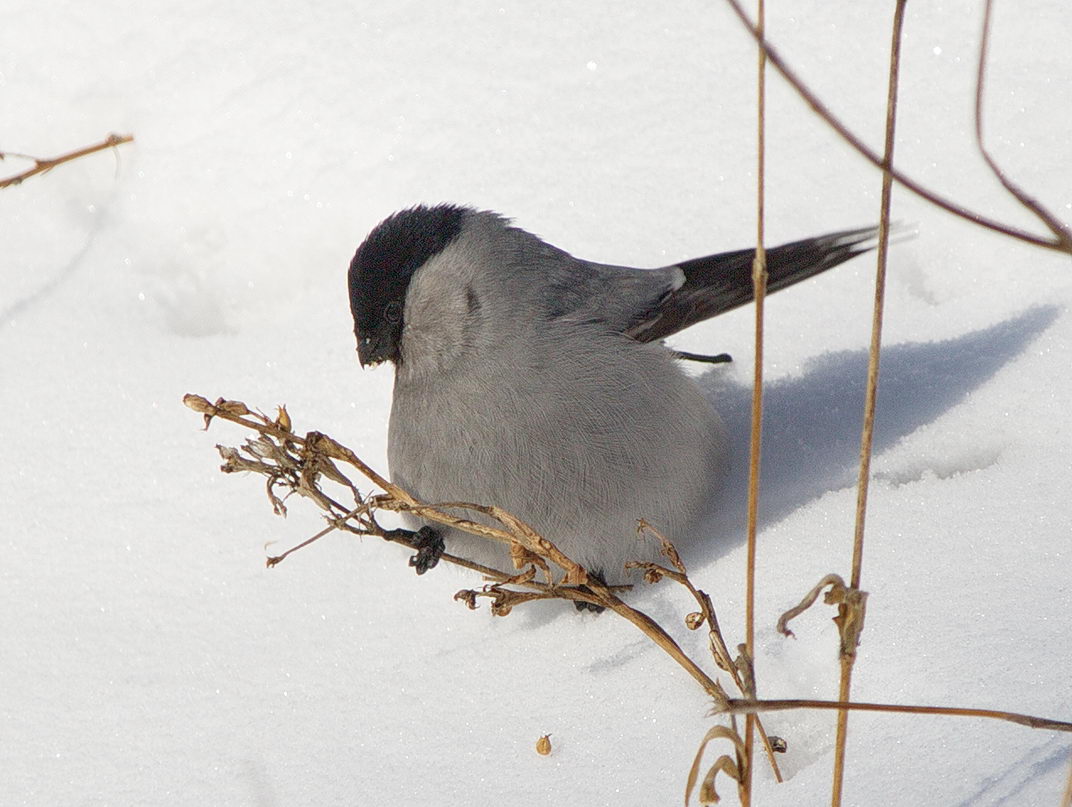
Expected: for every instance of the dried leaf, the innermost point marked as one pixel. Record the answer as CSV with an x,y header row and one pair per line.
x,y
201,405
715,732
522,557
851,604
520,579
236,408
332,472
468,596
746,671
665,545
278,507
708,795
832,580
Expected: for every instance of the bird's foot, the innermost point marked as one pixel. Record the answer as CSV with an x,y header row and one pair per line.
x,y
591,606
429,545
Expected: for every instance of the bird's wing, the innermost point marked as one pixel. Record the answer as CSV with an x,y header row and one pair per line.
x,y
718,283
615,296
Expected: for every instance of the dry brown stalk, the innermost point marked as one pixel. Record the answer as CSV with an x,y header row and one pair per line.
x,y
852,600
653,572
738,706
1061,241
759,287
45,165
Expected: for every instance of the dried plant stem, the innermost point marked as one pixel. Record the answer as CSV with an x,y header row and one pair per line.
x,y
759,284
656,633
42,166
738,706
848,654
721,653
335,525
1062,240
315,448
290,460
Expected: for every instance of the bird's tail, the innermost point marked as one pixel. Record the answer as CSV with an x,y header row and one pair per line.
x,y
719,283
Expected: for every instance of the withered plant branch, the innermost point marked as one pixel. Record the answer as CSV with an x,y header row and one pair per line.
x,y
1059,243
852,607
1058,228
759,289
656,633
653,572
738,706
320,447
45,165
315,447
334,525
517,532
504,600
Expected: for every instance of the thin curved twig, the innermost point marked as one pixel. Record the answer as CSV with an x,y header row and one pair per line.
x,y
738,706
1058,244
42,166
1058,228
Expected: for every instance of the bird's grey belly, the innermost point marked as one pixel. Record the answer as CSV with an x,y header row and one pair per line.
x,y
580,456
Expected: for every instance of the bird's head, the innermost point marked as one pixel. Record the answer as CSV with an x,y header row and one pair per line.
x,y
382,269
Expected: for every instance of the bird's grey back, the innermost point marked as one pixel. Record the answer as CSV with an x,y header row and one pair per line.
x,y
511,277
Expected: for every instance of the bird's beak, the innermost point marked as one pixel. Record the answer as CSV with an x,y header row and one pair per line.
x,y
369,352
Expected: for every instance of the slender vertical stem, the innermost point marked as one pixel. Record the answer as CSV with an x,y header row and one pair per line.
x,y
848,656
759,282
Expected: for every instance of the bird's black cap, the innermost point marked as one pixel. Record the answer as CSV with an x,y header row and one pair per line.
x,y
382,268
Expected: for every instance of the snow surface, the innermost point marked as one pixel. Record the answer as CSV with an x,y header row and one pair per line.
x,y
150,658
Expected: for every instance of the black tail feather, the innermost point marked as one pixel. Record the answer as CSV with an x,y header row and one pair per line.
x,y
719,283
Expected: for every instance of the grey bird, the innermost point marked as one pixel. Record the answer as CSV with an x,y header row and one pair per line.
x,y
532,380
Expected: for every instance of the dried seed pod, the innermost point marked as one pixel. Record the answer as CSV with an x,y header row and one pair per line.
x,y
543,745
282,418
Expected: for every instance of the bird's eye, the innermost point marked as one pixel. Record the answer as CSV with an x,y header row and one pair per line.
x,y
392,312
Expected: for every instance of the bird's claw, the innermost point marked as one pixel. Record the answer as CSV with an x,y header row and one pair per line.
x,y
430,549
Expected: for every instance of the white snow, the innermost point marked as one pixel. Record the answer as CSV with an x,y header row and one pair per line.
x,y
148,655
